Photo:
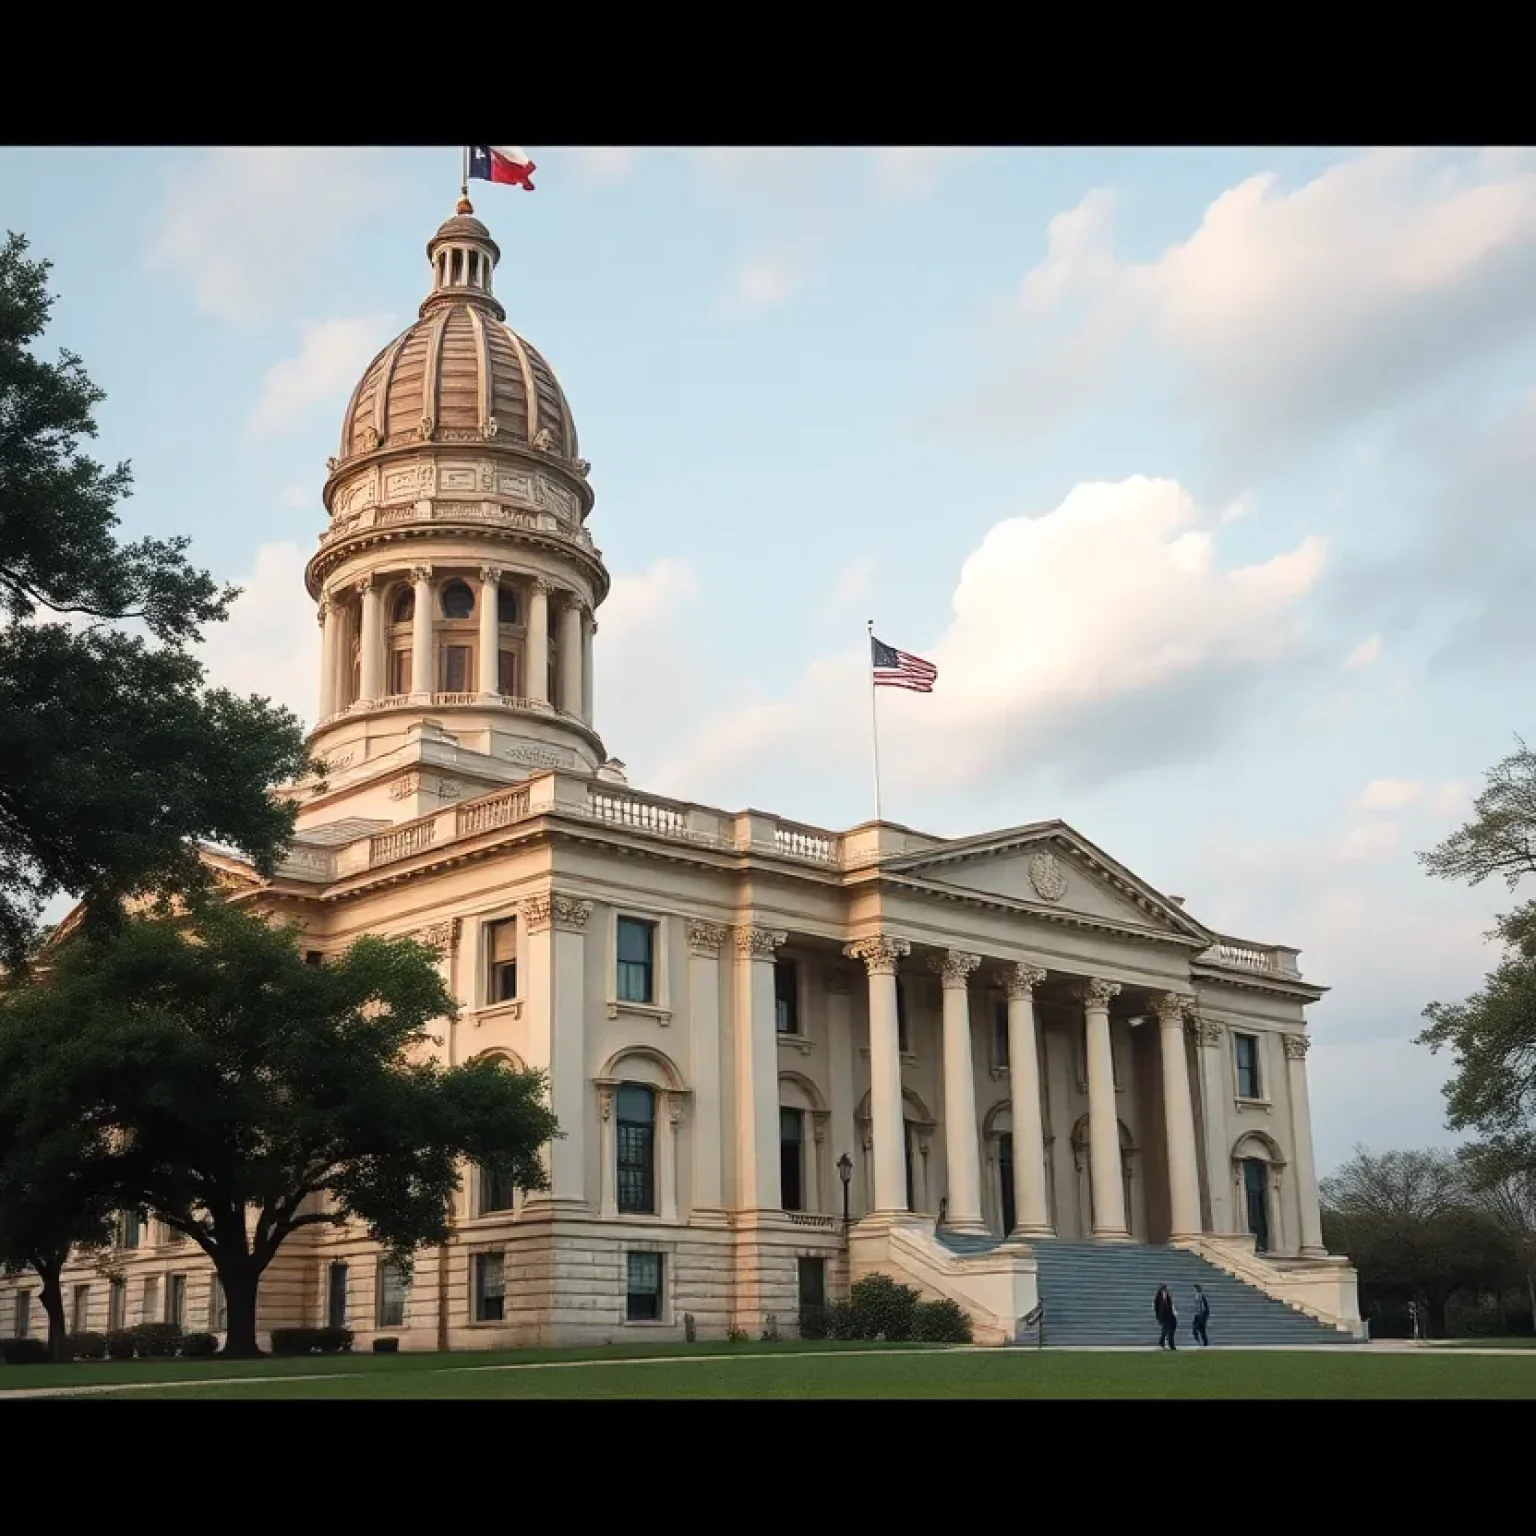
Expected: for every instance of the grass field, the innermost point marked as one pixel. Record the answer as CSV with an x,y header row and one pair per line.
x,y
765,1371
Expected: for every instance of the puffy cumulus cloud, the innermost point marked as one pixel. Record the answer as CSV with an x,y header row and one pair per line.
x,y
244,226
331,356
1069,632
1388,794
1293,311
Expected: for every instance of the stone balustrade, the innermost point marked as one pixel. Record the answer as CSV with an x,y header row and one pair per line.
x,y
1241,955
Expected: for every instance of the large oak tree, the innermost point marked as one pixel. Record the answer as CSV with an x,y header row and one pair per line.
x,y
242,1095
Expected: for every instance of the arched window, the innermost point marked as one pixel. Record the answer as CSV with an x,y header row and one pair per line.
x,y
506,606
404,609
635,1112
458,601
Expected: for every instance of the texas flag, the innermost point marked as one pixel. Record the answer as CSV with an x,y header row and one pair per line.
x,y
504,164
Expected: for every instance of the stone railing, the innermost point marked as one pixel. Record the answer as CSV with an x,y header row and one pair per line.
x,y
644,812
814,1219
490,813
1241,955
796,842
413,837
394,701
455,512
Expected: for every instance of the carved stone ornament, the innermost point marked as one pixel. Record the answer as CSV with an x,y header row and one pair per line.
x,y
332,464
365,586
582,467
1208,1035
490,575
1097,993
490,428
541,912
705,938
421,575
322,611
372,439
605,1102
544,440
442,937
1045,874
428,426
428,475
1171,1009
1022,979
758,943
1297,1046
487,477
880,953
543,584
954,968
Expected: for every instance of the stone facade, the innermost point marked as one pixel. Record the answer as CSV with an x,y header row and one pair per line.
x,y
735,1011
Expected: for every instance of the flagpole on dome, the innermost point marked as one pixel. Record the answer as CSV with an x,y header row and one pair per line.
x,y
874,716
464,174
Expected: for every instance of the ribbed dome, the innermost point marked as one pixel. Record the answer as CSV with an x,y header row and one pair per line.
x,y
460,372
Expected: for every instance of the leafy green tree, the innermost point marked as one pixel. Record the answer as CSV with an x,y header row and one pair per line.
x,y
112,754
1500,838
1411,1224
242,1095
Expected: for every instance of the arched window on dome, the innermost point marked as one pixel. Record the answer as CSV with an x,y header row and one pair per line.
x,y
506,606
458,600
403,609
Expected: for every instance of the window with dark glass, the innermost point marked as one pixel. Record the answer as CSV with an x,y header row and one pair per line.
x,y
455,669
901,1016
218,1307
642,1303
786,996
23,1314
313,957
636,960
336,1297
496,1193
391,1305
404,609
506,606
1000,1033
399,672
458,601
1246,1048
130,1229
501,961
635,1113
176,1300
117,1305
813,1282
792,1158
490,1288
80,1309
506,674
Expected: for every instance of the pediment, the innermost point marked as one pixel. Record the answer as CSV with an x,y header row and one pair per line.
x,y
1051,867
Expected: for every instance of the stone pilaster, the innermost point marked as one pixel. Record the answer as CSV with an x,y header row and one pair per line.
x,y
1032,1208
1109,1214
961,1144
881,955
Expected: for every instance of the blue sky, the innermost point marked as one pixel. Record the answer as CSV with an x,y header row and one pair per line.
x,y
1202,475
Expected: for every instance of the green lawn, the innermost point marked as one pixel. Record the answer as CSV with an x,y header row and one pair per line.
x,y
765,1371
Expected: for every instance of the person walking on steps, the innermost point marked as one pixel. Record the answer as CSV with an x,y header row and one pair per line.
x,y
1167,1317
1202,1318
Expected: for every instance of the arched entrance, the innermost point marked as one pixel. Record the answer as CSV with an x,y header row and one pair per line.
x,y
1082,1164
1257,1169
918,1126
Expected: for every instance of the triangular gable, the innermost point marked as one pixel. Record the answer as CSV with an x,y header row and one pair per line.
x,y
1047,864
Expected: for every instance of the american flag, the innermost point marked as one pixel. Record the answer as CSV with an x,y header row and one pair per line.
x,y
899,669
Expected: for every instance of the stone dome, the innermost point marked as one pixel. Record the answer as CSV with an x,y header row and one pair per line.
x,y
460,373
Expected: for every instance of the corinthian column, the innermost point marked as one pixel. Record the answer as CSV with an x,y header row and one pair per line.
x,y
1109,1221
536,684
422,659
704,941
1179,1118
330,643
757,1071
570,655
490,633
371,657
1032,1207
881,955
588,630
1296,1047
960,1139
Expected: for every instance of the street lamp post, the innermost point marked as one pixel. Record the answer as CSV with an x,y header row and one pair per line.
x,y
845,1173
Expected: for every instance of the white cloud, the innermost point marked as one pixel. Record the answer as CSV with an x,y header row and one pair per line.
x,y
1060,624
1078,254
270,645
764,282
1388,794
1238,509
242,226
332,356
1451,801
1366,654
1366,844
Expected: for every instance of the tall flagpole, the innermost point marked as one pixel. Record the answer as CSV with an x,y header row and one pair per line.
x,y
464,177
874,717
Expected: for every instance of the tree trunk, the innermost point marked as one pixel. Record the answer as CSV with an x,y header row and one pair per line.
x,y
1436,1329
50,1272
241,1279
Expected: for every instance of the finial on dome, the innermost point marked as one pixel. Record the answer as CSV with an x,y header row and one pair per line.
x,y
464,205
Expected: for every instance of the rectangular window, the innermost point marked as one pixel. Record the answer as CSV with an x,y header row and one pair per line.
x,y
1000,1056
490,1288
455,669
80,1309
506,673
637,960
399,672
786,996
117,1306
501,961
636,1115
129,1231
313,957
792,1159
901,1017
23,1314
1246,1049
813,1282
176,1300
149,1307
336,1297
218,1307
642,1302
392,1289
496,1193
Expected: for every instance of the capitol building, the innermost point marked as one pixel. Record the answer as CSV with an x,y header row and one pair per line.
x,y
1023,1073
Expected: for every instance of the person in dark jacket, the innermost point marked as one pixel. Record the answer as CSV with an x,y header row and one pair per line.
x,y
1202,1317
1167,1317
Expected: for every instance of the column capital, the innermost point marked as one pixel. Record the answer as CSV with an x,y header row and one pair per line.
x,y
323,611
552,911
490,574
1096,992
542,584
705,938
880,953
364,585
1206,1033
1296,1046
954,968
1172,1008
1021,979
758,943
420,575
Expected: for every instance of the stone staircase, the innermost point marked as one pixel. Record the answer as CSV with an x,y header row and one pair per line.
x,y
1101,1294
